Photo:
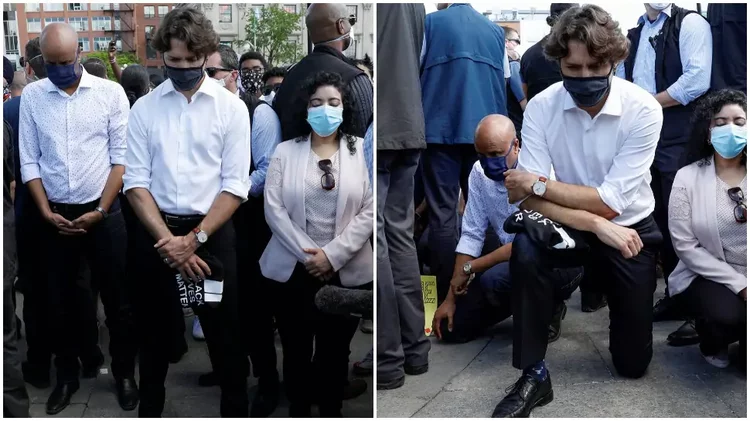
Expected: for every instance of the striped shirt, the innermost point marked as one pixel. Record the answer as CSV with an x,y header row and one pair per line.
x,y
266,134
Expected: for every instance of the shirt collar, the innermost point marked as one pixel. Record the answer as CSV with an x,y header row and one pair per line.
x,y
666,12
613,105
87,81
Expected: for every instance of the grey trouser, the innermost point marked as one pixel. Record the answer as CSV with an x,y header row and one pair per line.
x,y
401,337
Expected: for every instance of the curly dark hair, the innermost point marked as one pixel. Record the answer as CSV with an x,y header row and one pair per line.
x,y
275,72
254,55
698,148
595,28
189,26
311,85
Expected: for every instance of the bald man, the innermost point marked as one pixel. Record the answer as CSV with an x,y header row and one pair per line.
x,y
480,293
330,29
72,151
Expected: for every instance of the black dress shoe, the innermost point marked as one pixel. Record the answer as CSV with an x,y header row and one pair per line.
x,y
592,301
555,328
416,370
90,365
208,380
356,387
666,309
390,385
684,336
267,398
525,395
60,397
127,393
35,375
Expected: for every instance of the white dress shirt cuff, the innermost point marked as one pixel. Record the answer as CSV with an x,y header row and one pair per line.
x,y
135,184
236,188
469,246
612,198
30,172
678,94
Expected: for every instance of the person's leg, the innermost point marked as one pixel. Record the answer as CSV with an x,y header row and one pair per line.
x,y
390,348
441,172
398,223
468,158
86,329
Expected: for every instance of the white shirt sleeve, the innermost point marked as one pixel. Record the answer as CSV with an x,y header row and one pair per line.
x,y
633,161
236,155
506,66
534,156
137,155
28,145
117,128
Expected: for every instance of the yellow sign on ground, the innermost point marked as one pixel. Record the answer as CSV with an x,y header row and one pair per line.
x,y
430,298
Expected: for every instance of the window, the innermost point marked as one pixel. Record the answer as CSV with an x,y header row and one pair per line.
x,y
352,11
47,21
32,7
102,43
225,13
290,8
149,31
80,24
53,7
226,43
149,12
101,23
163,10
99,6
77,7
84,44
10,30
33,25
150,52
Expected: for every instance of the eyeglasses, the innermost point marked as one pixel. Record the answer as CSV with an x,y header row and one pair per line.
x,y
740,211
245,70
271,88
327,181
212,71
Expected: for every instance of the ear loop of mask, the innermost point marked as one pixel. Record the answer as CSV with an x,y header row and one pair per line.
x,y
348,34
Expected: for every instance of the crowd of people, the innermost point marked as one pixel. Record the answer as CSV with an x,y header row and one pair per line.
x,y
596,160
227,189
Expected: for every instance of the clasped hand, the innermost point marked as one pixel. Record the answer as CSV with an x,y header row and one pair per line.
x,y
518,183
318,264
79,226
179,253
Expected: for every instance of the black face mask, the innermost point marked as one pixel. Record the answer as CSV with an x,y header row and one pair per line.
x,y
184,79
587,91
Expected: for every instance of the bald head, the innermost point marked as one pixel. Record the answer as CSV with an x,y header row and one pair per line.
x,y
326,21
496,136
59,43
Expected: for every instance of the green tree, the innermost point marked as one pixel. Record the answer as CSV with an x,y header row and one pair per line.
x,y
268,33
122,59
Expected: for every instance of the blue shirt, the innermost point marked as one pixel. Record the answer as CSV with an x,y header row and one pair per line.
x,y
488,206
266,134
516,83
367,149
696,54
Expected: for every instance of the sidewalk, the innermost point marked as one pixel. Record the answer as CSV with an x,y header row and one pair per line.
x,y
96,398
468,380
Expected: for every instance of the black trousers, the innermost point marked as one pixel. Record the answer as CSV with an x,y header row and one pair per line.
x,y
720,315
629,285
256,318
157,303
661,185
104,248
302,325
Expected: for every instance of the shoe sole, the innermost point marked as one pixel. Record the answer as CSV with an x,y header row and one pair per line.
x,y
543,401
392,385
416,371
592,309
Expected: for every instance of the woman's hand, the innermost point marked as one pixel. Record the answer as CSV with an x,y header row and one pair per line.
x,y
317,265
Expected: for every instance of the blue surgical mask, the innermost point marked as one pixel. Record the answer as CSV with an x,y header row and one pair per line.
x,y
325,120
64,75
495,166
729,140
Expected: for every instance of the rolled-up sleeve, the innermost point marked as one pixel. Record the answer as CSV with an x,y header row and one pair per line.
x,y
696,54
631,164
137,155
475,220
534,156
236,155
266,135
28,145
118,127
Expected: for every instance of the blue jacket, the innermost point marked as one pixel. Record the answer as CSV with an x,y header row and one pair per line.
x,y
462,74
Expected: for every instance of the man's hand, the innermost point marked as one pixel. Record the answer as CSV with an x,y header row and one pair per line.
x,y
66,227
194,269
445,311
519,184
177,250
86,221
460,284
318,265
743,294
626,240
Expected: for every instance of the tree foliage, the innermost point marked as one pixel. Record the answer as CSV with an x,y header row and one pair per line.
x,y
268,33
123,59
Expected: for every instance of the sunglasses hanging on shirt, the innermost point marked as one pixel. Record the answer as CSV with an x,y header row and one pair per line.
x,y
327,180
740,211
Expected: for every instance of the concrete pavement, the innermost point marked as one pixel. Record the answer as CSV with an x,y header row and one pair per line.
x,y
468,380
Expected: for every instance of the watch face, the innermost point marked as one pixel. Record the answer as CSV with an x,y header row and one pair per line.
x,y
467,268
539,188
202,237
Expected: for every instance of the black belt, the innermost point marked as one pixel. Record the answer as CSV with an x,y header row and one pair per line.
x,y
64,208
180,221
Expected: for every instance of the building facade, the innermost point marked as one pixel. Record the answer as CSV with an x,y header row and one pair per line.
x,y
149,16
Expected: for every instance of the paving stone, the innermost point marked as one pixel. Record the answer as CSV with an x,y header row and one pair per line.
x,y
74,410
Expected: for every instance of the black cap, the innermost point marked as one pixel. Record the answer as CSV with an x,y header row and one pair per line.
x,y
557,9
8,70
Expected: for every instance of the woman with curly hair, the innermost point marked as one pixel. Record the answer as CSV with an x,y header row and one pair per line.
x,y
318,204
708,225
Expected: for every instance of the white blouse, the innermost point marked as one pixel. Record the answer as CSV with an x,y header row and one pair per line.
x,y
733,234
320,204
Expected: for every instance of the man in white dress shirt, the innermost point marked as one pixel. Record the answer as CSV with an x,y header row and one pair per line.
x,y
187,164
600,134
72,151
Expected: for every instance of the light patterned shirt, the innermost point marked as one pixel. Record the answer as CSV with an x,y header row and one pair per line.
x,y
266,135
71,142
488,206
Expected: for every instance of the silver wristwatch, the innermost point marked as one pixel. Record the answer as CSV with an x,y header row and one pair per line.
x,y
102,211
467,268
201,236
